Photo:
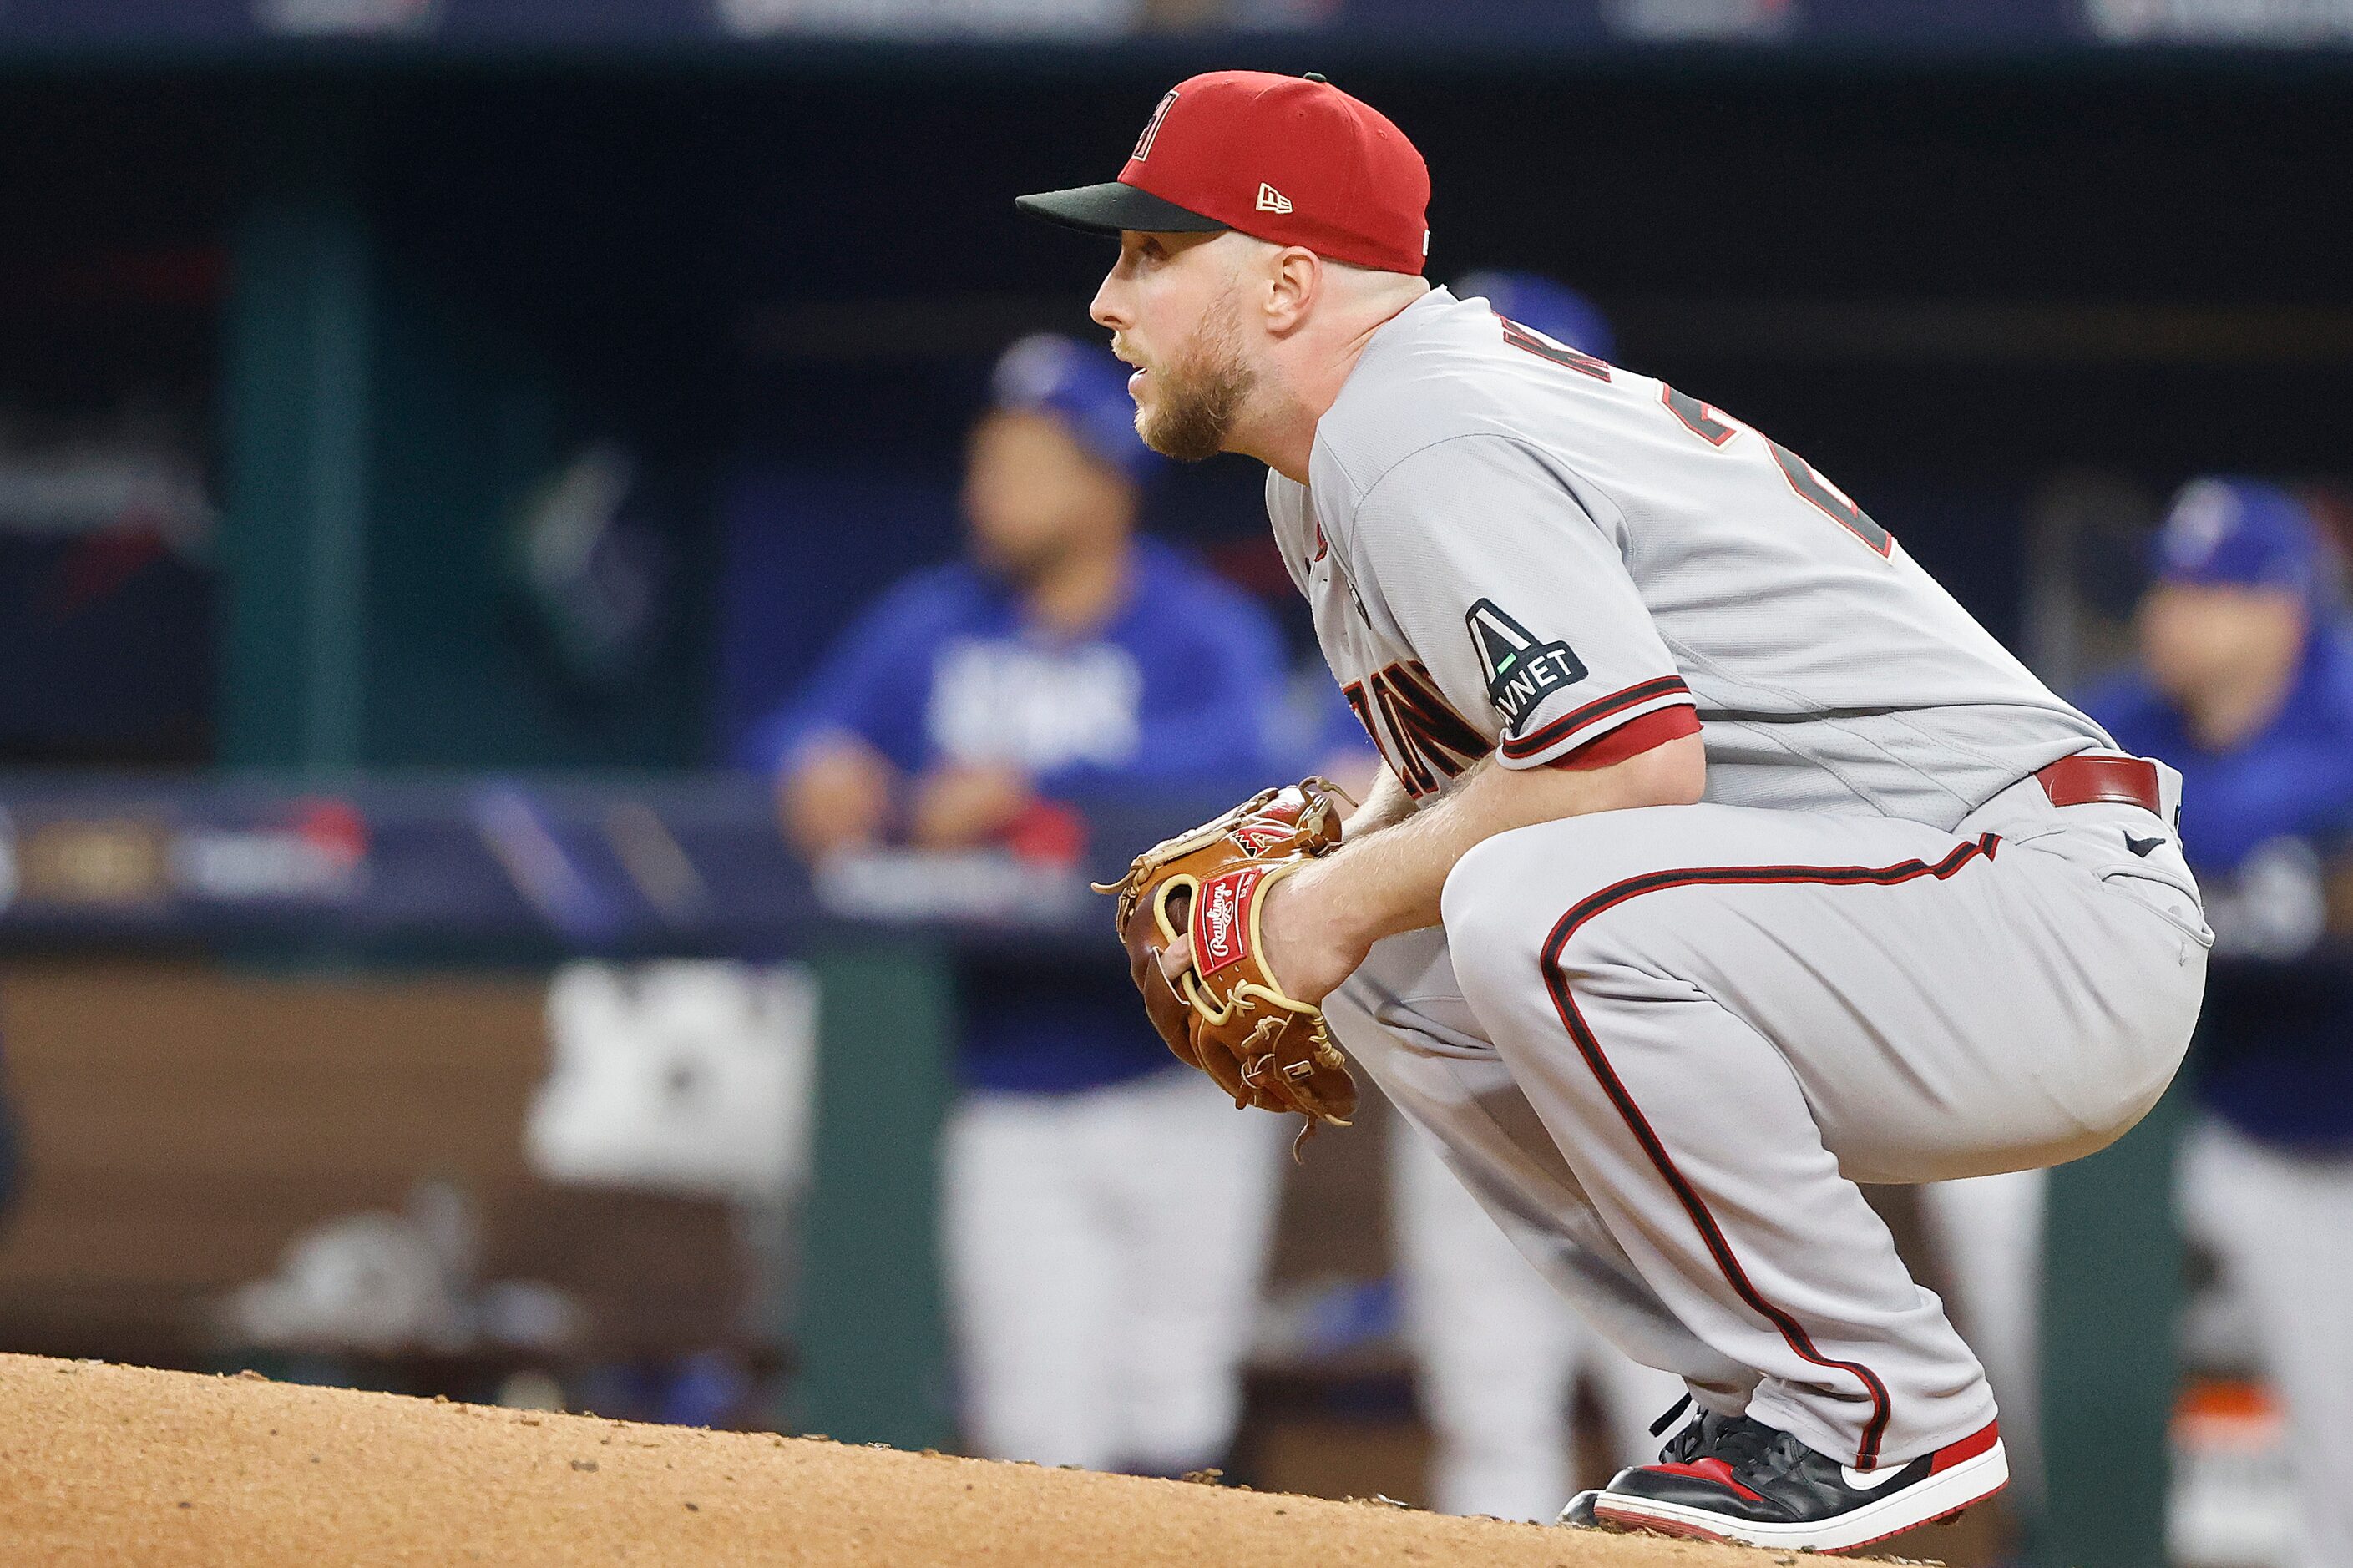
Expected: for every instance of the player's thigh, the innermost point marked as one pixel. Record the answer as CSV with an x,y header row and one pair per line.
x,y
1531,877
1664,888
1946,1012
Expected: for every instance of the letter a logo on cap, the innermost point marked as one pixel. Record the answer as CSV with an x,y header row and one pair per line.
x,y
1270,200
1152,128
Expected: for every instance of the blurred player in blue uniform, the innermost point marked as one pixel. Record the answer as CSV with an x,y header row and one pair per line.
x,y
1498,1353
1104,1211
2246,686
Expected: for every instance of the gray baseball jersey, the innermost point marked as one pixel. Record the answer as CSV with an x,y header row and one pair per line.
x,y
1512,547
1661,1046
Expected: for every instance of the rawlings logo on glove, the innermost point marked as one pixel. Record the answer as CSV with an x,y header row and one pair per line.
x,y
1227,1015
1217,939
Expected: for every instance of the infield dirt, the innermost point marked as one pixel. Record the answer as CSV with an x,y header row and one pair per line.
x,y
118,1466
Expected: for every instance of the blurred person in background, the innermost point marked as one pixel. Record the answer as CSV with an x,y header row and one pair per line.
x,y
1497,1352
1105,1212
2246,685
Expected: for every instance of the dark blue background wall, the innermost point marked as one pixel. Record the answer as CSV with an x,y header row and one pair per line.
x,y
1939,283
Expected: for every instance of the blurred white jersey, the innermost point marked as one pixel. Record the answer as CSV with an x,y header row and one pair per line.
x,y
1512,546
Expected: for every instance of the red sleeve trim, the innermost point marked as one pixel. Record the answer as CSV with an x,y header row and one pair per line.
x,y
1631,738
1525,746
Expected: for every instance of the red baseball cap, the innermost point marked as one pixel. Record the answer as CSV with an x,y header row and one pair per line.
x,y
1288,159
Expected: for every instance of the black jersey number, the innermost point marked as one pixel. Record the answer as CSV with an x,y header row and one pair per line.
x,y
1711,426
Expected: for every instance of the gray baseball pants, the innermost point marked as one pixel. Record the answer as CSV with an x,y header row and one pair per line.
x,y
1661,1047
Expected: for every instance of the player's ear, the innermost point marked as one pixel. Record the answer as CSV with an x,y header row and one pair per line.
x,y
1295,278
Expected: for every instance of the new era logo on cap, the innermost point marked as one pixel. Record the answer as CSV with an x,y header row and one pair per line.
x,y
1292,160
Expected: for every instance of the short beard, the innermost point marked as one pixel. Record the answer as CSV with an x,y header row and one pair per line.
x,y
1202,389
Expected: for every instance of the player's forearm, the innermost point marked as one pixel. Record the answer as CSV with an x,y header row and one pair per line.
x,y
1386,804
1391,881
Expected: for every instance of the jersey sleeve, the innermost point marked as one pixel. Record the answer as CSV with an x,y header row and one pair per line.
x,y
1515,598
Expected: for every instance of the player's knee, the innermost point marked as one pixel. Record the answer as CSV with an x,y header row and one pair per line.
x,y
1495,914
1506,900
1476,888
1519,875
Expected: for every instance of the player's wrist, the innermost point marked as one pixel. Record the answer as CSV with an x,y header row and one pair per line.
x,y
1320,904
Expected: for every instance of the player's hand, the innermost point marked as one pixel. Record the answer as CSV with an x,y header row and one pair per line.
x,y
1303,951
1306,949
960,806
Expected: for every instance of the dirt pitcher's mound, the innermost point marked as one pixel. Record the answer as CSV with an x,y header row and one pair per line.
x,y
121,1466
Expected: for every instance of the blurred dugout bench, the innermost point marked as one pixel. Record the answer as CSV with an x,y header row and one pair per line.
x,y
236,1006
184,1122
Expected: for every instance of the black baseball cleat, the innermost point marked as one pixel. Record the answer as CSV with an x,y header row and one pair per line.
x,y
1688,1443
1759,1486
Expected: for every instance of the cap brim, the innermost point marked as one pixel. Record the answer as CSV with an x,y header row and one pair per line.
x,y
1112,207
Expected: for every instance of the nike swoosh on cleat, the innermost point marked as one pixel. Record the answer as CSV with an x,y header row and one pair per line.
x,y
1869,1480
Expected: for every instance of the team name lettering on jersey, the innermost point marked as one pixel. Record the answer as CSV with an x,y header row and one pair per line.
x,y
1420,738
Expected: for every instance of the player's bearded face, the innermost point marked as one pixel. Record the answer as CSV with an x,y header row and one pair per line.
x,y
1198,391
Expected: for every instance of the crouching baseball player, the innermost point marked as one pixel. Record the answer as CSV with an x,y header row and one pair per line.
x,y
1723,861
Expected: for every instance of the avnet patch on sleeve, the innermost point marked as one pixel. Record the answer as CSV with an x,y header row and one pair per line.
x,y
1521,670
1474,554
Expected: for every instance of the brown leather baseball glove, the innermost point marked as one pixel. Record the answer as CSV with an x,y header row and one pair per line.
x,y
1227,1015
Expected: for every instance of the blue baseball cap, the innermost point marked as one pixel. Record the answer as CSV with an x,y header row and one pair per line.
x,y
1083,386
2222,529
1556,309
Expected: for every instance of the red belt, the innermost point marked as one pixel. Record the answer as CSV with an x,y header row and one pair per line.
x,y
2087,777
